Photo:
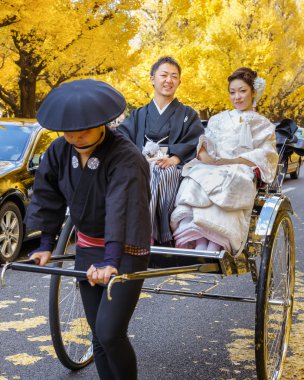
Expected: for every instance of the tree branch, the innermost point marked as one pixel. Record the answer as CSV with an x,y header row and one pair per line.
x,y
8,21
9,99
138,86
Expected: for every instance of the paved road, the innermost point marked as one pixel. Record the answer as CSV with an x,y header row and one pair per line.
x,y
175,338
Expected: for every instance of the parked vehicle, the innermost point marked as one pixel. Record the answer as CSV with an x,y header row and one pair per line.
x,y
294,160
293,156
22,144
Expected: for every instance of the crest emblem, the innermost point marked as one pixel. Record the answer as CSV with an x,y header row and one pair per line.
x,y
93,163
75,162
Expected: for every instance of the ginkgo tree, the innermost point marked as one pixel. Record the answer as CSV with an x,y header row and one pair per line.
x,y
266,35
167,27
44,43
211,39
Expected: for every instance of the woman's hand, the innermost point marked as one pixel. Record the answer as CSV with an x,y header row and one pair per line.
x,y
166,162
43,257
233,161
100,275
204,157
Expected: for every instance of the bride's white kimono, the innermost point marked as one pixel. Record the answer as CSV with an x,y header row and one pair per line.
x,y
216,201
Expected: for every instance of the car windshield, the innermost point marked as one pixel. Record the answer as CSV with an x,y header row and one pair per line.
x,y
13,140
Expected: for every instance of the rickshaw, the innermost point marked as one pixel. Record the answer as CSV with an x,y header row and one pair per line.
x,y
268,254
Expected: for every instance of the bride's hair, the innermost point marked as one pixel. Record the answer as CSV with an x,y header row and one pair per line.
x,y
245,74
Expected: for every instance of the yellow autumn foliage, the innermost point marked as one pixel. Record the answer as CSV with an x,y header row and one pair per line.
x,y
211,39
44,43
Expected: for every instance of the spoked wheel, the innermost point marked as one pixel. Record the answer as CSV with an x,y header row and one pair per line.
x,y
275,292
71,334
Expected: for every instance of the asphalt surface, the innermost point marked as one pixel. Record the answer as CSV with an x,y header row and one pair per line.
x,y
174,337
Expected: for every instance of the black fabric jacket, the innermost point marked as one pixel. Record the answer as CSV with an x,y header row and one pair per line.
x,y
185,130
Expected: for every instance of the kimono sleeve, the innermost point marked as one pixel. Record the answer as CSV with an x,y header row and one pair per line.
x,y
207,140
46,211
127,203
185,146
264,154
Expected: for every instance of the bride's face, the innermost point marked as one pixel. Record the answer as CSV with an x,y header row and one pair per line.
x,y
241,95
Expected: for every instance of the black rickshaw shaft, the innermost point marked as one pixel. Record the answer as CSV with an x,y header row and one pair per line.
x,y
48,270
32,266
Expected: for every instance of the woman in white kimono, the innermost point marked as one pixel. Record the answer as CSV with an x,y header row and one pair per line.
x,y
215,199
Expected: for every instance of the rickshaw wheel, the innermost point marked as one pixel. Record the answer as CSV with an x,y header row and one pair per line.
x,y
70,332
275,292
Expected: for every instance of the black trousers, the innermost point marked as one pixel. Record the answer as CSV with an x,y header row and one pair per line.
x,y
113,354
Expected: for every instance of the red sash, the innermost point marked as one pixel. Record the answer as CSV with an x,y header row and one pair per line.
x,y
85,241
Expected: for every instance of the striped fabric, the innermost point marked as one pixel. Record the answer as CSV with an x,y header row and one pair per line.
x,y
164,186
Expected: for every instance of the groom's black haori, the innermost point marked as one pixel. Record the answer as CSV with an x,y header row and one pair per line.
x,y
179,128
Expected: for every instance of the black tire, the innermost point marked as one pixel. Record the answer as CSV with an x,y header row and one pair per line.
x,y
276,284
11,232
71,335
296,174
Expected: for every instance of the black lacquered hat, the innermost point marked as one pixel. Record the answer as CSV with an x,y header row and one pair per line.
x,y
79,105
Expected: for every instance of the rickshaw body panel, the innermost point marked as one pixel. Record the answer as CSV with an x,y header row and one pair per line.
x,y
269,212
224,263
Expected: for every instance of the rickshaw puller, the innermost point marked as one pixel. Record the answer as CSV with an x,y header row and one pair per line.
x,y
104,180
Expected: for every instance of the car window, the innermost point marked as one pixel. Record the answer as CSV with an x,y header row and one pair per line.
x,y
13,140
44,141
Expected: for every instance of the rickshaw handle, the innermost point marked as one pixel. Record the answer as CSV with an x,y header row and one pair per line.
x,y
153,273
32,266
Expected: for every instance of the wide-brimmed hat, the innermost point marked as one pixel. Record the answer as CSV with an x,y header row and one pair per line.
x,y
79,105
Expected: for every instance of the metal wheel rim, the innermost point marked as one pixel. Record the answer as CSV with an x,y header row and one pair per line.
x,y
9,234
278,316
75,332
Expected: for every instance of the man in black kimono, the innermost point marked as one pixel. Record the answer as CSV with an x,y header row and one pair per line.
x,y
167,133
104,180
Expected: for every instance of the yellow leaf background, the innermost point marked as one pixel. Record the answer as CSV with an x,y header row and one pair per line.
x,y
44,43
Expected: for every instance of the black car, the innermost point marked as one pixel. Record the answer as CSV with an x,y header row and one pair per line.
x,y
295,160
293,155
22,144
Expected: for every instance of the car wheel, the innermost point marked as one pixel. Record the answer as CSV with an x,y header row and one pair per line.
x,y
11,232
295,175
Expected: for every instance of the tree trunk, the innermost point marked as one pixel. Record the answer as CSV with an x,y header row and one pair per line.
x,y
204,114
27,85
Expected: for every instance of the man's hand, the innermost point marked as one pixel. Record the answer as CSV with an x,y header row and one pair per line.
x,y
43,257
166,162
100,275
